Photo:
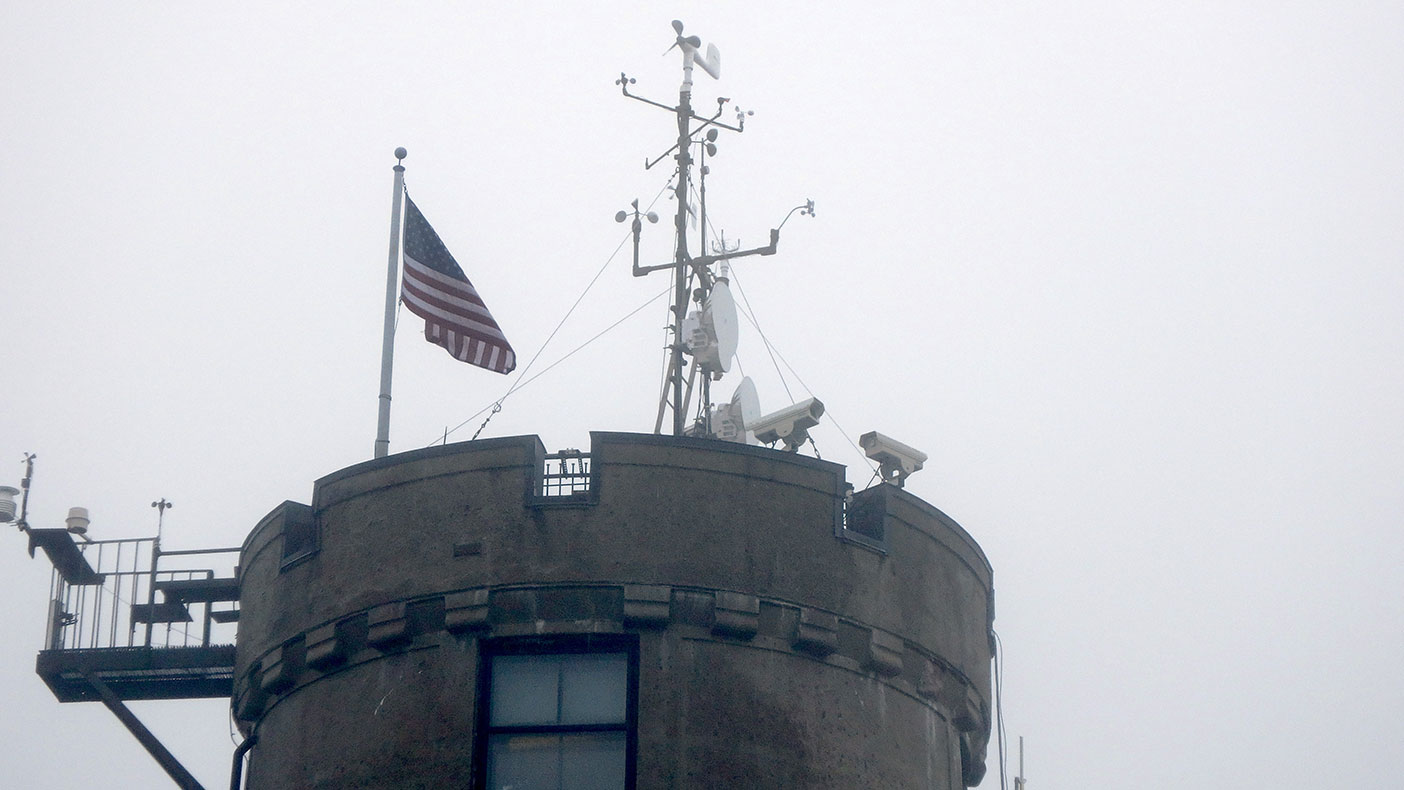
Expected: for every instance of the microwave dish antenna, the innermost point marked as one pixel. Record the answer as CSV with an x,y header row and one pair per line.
x,y
713,332
731,421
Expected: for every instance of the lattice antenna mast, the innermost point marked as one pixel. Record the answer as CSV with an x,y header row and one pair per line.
x,y
684,265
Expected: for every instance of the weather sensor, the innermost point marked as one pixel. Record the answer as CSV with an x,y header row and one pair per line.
x,y
7,503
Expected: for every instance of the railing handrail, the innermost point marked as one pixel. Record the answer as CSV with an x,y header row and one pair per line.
x,y
564,481
189,552
120,607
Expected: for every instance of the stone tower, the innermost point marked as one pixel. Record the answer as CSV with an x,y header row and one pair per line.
x,y
660,612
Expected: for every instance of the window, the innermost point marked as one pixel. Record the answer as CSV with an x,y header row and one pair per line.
x,y
559,720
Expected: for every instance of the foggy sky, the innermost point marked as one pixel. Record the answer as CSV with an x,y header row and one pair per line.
x,y
1129,273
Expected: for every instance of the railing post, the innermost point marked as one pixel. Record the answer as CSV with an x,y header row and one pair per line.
x,y
205,642
151,587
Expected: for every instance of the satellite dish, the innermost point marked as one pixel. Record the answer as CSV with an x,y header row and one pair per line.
x,y
729,420
711,333
745,401
722,310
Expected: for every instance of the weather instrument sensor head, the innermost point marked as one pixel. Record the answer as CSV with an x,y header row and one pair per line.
x,y
691,47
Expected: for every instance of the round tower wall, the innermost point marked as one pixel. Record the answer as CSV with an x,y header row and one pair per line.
x,y
779,634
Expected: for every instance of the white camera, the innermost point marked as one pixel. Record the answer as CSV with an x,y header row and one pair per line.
x,y
791,424
896,460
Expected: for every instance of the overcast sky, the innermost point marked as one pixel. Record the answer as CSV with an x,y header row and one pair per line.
x,y
1129,272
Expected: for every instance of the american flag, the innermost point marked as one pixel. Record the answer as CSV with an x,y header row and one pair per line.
x,y
436,290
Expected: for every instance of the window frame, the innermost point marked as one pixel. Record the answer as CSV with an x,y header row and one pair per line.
x,y
585,644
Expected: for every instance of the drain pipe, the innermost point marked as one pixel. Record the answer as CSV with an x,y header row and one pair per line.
x,y
236,774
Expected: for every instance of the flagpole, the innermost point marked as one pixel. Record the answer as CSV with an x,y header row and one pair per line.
x,y
392,291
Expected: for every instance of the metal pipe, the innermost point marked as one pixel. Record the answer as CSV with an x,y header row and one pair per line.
x,y
205,642
97,603
154,747
151,589
680,257
236,774
201,551
387,347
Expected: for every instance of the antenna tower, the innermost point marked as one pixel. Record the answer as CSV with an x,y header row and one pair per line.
x,y
684,265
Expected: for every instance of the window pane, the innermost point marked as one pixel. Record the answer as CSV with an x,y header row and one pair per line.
x,y
594,688
524,762
593,761
524,690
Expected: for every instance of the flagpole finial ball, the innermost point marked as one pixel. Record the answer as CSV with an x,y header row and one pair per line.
x,y
401,153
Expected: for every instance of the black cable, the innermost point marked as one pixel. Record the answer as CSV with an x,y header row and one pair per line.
x,y
496,406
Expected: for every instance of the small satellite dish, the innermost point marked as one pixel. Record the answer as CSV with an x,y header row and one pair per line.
x,y
729,420
745,401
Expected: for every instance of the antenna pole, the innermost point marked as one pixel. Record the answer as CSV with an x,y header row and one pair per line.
x,y
680,256
683,263
706,399
162,505
23,521
392,293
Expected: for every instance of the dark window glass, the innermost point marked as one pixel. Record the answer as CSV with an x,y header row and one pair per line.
x,y
558,721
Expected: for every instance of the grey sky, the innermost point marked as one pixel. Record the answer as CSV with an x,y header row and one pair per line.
x,y
1129,272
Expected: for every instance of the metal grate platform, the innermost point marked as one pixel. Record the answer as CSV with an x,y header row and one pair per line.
x,y
140,673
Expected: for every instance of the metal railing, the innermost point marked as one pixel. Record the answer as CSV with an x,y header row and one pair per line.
x,y
565,474
122,603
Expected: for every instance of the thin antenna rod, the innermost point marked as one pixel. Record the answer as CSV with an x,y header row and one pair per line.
x,y
23,521
392,294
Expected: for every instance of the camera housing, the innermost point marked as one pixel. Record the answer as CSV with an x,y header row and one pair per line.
x,y
895,459
791,424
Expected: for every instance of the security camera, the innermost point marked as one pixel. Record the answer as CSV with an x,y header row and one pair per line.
x,y
896,460
790,424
